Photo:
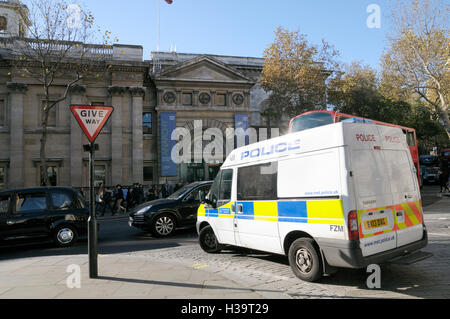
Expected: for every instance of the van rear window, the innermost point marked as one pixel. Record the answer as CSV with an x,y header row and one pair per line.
x,y
400,171
370,173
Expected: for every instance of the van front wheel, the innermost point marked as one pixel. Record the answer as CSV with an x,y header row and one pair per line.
x,y
305,260
208,241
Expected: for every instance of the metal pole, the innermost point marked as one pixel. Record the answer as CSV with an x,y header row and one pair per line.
x,y
159,26
92,237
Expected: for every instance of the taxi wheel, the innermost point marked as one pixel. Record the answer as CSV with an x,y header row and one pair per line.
x,y
305,260
65,236
208,241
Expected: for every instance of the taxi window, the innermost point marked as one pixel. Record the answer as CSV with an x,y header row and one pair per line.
x,y
4,205
27,202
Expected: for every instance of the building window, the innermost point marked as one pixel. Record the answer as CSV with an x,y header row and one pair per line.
x,y
2,113
148,174
52,172
3,24
99,175
187,99
2,177
147,123
221,99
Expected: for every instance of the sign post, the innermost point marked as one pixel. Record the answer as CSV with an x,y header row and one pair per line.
x,y
92,119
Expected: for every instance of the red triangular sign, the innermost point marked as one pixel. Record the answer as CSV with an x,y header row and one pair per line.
x,y
92,119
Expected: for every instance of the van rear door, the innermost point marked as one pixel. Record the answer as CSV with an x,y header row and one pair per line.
x,y
373,197
406,196
373,201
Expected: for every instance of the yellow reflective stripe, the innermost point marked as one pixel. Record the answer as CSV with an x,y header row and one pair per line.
x,y
329,209
412,217
201,211
267,211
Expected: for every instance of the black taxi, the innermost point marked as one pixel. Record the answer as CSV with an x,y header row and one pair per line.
x,y
43,213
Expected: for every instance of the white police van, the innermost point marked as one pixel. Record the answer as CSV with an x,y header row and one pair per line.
x,y
341,195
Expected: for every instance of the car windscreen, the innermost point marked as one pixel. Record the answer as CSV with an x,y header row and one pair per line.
x,y
180,192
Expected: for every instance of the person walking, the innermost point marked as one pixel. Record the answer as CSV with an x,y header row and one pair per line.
x,y
107,198
443,178
119,200
99,198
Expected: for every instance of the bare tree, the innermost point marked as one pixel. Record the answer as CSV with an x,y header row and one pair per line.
x,y
55,51
417,60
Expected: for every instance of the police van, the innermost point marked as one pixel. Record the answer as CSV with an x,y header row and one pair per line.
x,y
341,195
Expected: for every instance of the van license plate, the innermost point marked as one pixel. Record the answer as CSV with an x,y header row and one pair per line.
x,y
375,223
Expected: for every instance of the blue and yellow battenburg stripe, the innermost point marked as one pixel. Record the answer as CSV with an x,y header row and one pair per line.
x,y
311,212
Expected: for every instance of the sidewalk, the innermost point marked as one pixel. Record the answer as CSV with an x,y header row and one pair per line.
x,y
120,277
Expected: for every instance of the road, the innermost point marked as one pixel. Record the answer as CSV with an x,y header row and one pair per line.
x,y
426,279
115,237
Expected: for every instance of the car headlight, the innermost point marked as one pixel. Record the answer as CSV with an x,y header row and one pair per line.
x,y
142,211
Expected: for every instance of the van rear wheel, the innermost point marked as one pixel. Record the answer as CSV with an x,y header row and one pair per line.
x,y
305,260
208,241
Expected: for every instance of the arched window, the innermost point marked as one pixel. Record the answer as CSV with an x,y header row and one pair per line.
x,y
3,24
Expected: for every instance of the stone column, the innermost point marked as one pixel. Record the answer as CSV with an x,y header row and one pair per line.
x,y
246,99
137,94
16,166
76,148
228,99
117,93
195,101
213,98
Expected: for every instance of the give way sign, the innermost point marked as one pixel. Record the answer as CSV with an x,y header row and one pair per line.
x,y
92,119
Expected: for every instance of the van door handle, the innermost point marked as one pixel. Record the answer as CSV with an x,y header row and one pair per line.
x,y
233,208
240,208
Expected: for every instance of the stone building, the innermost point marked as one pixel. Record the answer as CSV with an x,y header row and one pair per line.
x,y
182,88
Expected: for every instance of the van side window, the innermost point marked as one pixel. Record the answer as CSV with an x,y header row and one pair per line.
x,y
4,205
258,182
26,202
225,185
221,188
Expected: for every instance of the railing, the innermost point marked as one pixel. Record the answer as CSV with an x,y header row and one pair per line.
x,y
19,44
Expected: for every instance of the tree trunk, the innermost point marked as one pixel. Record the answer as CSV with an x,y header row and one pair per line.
x,y
43,153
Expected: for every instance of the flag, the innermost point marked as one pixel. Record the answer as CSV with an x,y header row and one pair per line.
x,y
169,1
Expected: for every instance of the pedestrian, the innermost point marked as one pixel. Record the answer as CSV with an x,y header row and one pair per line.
x,y
163,191
119,200
151,193
141,195
107,198
99,198
443,178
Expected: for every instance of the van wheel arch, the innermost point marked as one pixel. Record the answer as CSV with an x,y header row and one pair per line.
x,y
203,225
293,236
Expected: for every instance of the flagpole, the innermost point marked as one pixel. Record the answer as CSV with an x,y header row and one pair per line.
x,y
159,25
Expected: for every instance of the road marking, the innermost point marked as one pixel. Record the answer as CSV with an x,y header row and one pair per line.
x,y
436,234
200,266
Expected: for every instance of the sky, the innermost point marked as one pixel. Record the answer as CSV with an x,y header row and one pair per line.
x,y
244,27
